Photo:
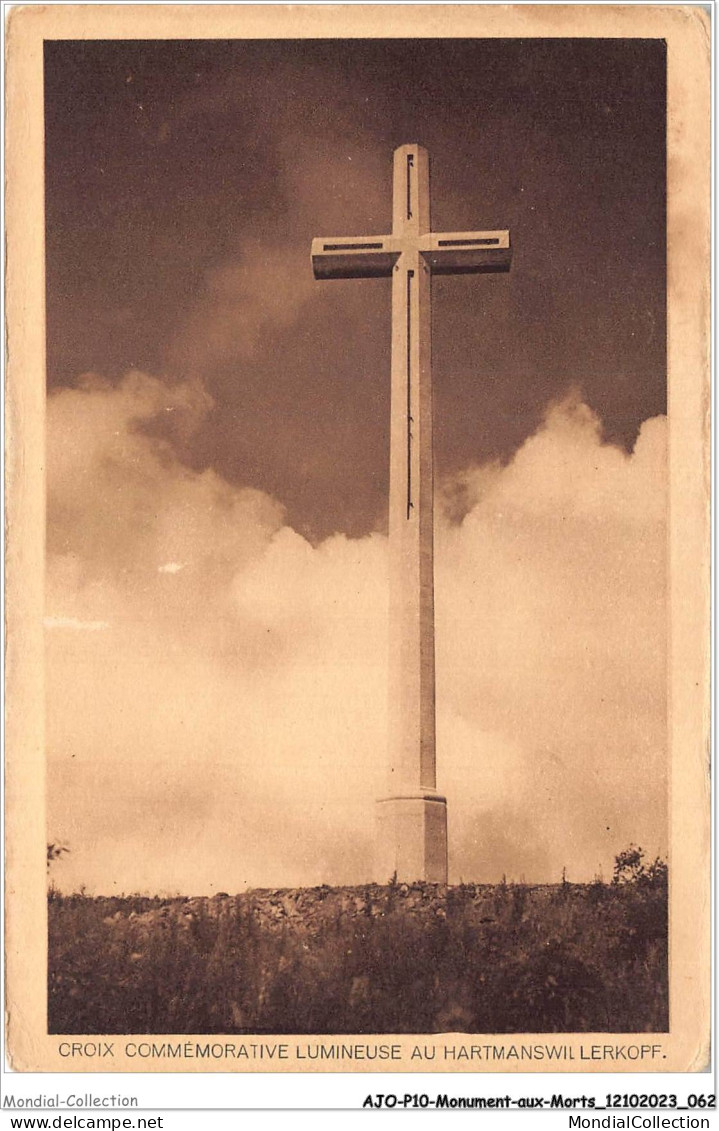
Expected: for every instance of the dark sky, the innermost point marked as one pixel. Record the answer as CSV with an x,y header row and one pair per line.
x,y
186,180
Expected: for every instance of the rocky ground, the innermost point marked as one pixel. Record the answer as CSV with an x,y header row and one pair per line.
x,y
397,958
312,908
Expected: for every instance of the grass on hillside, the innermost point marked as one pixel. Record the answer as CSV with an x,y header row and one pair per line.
x,y
490,959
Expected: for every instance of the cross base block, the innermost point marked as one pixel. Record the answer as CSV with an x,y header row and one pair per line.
x,y
412,838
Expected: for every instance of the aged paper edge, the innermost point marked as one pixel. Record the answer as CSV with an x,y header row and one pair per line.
x,y
687,33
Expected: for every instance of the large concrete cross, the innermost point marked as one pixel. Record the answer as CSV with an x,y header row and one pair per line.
x,y
412,819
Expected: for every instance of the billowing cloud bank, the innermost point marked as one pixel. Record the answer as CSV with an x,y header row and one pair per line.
x,y
216,685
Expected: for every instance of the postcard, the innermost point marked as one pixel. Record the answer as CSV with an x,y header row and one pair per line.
x,y
357,432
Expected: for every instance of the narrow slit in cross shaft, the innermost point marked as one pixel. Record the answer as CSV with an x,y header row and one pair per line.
x,y
467,243
410,164
410,276
352,246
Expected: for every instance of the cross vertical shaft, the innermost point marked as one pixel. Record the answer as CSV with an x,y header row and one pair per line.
x,y
412,820
407,846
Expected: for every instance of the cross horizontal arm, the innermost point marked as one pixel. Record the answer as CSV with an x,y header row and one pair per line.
x,y
353,257
446,253
457,253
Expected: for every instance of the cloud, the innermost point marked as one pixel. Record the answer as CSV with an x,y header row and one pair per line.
x,y
303,150
263,287
551,653
228,725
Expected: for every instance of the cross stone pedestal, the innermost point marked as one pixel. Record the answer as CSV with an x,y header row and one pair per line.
x,y
412,820
412,839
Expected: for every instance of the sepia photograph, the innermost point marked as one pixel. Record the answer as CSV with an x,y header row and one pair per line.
x,y
358,574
